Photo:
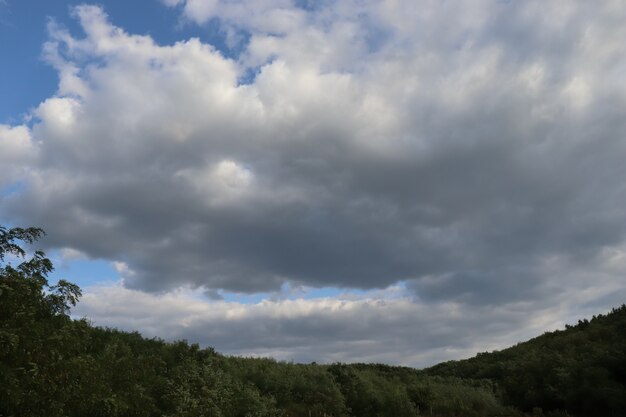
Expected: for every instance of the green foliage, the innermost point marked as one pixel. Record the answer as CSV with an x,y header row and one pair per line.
x,y
299,390
580,370
36,333
379,390
51,365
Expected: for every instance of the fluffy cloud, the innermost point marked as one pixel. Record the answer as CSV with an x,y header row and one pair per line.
x,y
383,330
17,152
384,326
472,150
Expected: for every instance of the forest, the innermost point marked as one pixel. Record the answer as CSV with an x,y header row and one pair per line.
x,y
52,365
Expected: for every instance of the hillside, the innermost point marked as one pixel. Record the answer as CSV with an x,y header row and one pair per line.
x,y
51,365
581,369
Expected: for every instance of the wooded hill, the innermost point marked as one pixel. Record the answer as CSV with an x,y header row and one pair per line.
x,y
51,365
581,369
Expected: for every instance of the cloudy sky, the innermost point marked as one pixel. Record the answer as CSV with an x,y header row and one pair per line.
x,y
355,180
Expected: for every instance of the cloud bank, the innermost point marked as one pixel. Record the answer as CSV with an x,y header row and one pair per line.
x,y
471,151
343,329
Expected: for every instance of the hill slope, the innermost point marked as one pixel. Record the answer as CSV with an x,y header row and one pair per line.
x,y
581,369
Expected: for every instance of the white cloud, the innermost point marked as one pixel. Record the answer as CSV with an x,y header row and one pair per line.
x,y
71,254
123,269
225,182
17,153
16,143
58,116
397,330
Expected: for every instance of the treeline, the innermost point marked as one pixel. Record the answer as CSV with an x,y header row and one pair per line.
x,y
102,372
51,365
581,369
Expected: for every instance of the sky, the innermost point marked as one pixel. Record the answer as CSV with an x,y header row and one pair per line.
x,y
360,181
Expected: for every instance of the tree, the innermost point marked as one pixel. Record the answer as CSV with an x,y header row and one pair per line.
x,y
29,278
35,328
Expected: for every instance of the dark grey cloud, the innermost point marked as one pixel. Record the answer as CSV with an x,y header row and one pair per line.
x,y
461,155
